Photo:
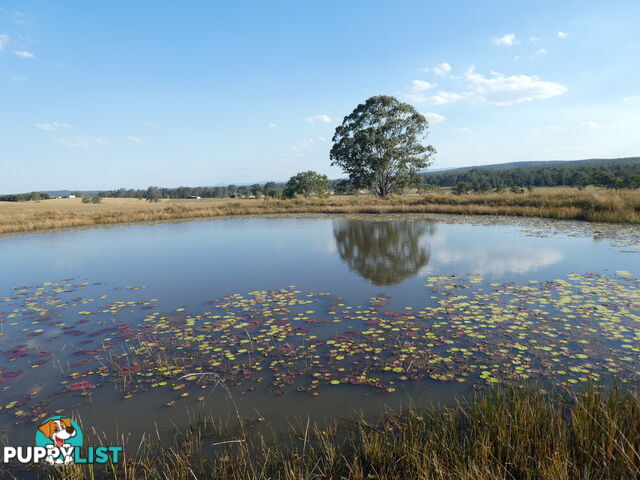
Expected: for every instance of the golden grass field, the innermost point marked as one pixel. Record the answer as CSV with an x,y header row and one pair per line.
x,y
592,204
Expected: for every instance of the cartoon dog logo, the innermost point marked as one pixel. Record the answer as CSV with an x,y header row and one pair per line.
x,y
61,433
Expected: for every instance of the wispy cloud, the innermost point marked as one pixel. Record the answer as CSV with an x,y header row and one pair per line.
x,y
79,142
439,98
535,39
563,34
507,40
301,149
442,69
322,118
133,139
271,125
434,117
51,126
539,52
589,124
4,40
21,18
421,85
149,124
460,130
17,77
24,54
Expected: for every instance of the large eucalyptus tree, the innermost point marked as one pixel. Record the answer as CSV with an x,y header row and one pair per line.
x,y
380,145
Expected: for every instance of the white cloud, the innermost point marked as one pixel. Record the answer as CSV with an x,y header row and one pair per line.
x,y
540,52
442,69
416,91
434,117
439,98
460,130
150,124
79,142
272,125
17,77
24,54
4,40
589,124
563,34
508,40
51,126
421,85
500,89
496,89
133,139
535,39
631,99
319,119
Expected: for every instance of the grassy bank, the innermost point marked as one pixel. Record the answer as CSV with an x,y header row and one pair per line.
x,y
622,206
503,434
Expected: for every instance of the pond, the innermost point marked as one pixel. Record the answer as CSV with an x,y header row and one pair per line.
x,y
134,328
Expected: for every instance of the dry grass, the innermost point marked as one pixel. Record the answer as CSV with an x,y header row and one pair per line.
x,y
622,206
516,434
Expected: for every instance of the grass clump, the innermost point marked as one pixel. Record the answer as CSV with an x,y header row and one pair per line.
x,y
504,433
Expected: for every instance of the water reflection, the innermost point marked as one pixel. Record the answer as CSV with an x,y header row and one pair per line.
x,y
383,252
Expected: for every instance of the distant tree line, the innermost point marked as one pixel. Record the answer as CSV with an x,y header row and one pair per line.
x,y
306,184
24,197
269,189
610,175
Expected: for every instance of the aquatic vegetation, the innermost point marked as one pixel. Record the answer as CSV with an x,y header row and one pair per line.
x,y
570,331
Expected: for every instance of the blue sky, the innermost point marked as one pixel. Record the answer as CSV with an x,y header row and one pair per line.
x,y
97,95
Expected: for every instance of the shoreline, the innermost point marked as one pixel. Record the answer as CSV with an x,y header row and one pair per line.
x,y
591,205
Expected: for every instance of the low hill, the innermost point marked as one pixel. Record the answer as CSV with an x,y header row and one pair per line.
x,y
615,172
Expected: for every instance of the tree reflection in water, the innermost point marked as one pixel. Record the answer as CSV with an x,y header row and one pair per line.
x,y
385,252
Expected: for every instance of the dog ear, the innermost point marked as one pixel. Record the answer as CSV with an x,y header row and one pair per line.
x,y
47,428
66,422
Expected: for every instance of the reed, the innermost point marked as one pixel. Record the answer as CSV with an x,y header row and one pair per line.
x,y
592,204
505,433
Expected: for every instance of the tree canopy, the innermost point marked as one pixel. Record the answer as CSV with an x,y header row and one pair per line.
x,y
307,184
379,145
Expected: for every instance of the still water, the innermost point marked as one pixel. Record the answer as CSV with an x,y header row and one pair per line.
x,y
318,317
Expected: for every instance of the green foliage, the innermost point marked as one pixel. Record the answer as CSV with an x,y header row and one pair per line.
x,y
243,191
153,194
461,188
379,145
606,173
256,190
344,187
307,184
272,190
